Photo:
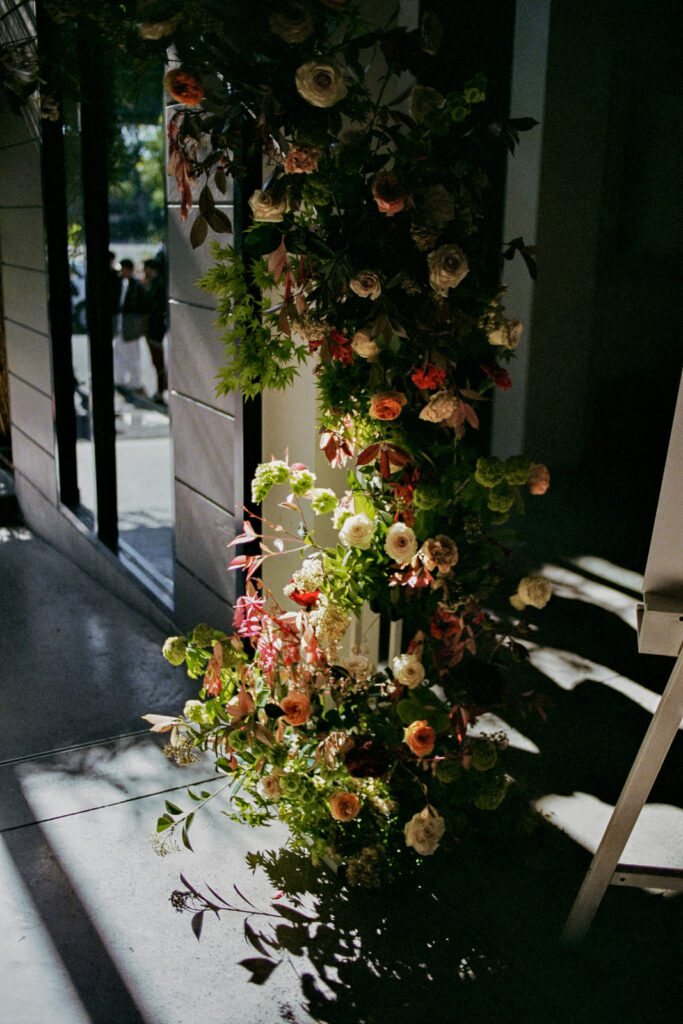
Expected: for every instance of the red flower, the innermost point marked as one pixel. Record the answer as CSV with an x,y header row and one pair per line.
x,y
498,374
340,348
305,598
431,378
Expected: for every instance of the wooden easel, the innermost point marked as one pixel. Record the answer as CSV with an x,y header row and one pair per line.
x,y
660,631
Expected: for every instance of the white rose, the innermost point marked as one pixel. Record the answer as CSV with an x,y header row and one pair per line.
x,y
533,590
269,788
408,670
364,345
400,543
357,531
424,830
265,207
447,268
321,82
366,284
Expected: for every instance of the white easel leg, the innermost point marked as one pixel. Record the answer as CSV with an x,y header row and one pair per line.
x,y
654,748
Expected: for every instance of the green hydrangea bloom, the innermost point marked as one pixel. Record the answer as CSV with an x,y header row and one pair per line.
x,y
427,497
490,801
174,649
501,499
448,771
517,470
489,471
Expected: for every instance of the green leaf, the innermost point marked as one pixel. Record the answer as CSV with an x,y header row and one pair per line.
x,y
198,231
262,239
362,504
221,181
173,808
206,203
186,841
164,822
219,222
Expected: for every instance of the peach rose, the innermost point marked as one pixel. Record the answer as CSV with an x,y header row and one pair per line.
x,y
386,405
420,737
301,160
388,193
184,87
440,553
297,708
440,407
539,478
344,805
366,285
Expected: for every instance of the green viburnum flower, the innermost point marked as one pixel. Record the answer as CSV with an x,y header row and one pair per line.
x,y
491,799
448,771
323,501
484,756
517,470
174,649
267,475
202,635
501,498
427,497
489,471
301,480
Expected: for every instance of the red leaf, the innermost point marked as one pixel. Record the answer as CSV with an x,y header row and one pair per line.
x,y
368,454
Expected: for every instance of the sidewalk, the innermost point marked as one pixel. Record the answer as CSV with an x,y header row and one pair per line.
x,y
89,933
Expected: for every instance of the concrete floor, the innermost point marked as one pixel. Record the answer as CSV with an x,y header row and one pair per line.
x,y
89,934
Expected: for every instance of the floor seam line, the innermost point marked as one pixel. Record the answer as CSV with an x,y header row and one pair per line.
x,y
115,803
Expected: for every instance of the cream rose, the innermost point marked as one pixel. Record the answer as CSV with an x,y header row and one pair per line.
x,y
447,268
269,788
400,543
366,284
440,553
441,406
408,670
364,344
321,82
424,830
357,531
292,23
506,334
359,665
532,590
265,207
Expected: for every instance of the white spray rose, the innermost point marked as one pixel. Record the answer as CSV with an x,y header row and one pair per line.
x,y
357,531
447,268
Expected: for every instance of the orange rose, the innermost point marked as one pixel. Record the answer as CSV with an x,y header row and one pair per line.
x,y
421,738
386,405
297,708
388,193
539,478
344,806
184,87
